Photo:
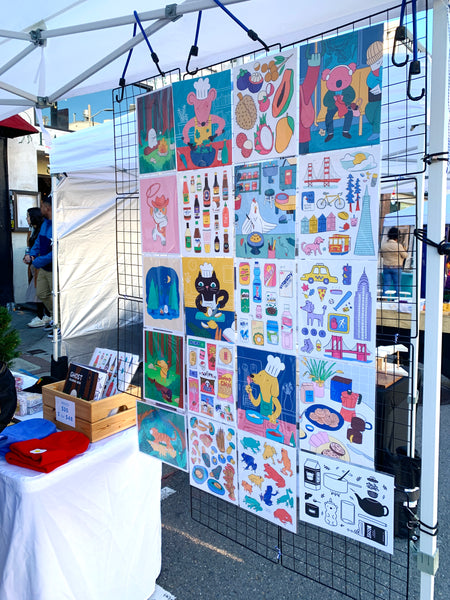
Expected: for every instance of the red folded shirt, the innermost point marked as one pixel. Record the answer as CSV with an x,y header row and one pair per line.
x,y
48,453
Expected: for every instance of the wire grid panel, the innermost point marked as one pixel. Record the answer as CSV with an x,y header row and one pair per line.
x,y
128,246
236,524
129,339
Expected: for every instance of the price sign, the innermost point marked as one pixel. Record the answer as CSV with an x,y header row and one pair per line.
x,y
65,411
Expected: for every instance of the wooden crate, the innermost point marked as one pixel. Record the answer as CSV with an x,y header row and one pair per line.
x,y
91,418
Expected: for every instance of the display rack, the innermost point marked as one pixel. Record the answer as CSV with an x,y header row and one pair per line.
x,y
352,568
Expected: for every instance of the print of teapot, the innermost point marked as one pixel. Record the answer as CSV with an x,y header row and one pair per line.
x,y
372,507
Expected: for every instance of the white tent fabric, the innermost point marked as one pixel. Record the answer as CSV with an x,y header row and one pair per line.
x,y
407,216
46,70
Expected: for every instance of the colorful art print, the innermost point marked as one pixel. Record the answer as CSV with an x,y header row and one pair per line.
x,y
211,379
209,297
348,500
267,473
339,203
155,131
163,368
265,107
202,108
266,304
213,458
162,434
336,309
159,214
162,293
340,91
337,410
267,395
265,206
207,227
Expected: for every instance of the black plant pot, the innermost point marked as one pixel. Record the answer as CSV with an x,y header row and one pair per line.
x,y
8,396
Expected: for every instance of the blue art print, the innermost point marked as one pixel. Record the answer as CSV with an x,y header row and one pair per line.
x,y
267,395
340,91
202,109
265,208
339,203
336,309
162,292
162,434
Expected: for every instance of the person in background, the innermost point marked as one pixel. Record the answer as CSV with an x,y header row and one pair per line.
x,y
40,256
393,254
34,220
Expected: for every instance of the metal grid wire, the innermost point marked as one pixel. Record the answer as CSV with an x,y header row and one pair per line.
x,y
129,316
352,568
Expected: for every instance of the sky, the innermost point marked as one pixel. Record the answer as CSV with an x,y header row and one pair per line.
x,y
78,104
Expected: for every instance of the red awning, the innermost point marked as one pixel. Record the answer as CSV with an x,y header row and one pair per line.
x,y
16,126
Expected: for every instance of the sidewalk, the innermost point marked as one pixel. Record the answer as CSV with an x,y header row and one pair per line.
x,y
36,347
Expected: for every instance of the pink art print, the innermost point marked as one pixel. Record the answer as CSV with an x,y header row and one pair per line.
x,y
159,214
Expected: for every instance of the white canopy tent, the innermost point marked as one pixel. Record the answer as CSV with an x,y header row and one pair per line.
x,y
407,216
48,55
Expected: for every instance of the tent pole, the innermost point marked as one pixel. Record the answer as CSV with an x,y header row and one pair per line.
x,y
25,52
55,283
18,92
15,35
152,15
437,184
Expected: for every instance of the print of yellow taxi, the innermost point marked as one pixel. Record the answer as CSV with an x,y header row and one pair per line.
x,y
319,273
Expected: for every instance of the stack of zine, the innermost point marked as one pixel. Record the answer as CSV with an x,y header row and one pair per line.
x,y
85,382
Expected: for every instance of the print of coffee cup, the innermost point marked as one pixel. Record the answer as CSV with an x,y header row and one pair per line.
x,y
357,426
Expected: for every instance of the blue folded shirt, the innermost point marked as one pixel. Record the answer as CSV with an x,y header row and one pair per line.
x,y
25,430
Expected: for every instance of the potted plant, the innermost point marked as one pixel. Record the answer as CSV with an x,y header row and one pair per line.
x,y
9,341
319,371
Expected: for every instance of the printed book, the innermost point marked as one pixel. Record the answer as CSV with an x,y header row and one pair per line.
x,y
85,382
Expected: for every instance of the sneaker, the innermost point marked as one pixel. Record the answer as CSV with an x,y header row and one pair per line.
x,y
46,319
48,325
58,333
36,322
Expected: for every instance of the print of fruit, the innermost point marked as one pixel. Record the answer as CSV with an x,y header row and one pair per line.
x,y
255,83
283,133
263,137
242,79
246,113
283,95
275,67
263,101
244,144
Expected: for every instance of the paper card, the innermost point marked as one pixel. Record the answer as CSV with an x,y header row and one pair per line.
x,y
159,214
349,500
340,91
209,297
164,368
207,227
155,131
162,434
265,107
339,203
211,379
213,458
266,304
268,480
162,293
202,108
265,206
267,395
336,309
337,410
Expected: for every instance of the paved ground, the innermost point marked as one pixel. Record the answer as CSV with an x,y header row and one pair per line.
x,y
198,562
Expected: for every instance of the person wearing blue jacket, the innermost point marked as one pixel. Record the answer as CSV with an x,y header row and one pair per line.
x,y
40,256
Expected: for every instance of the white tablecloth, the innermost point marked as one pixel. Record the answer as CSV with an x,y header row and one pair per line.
x,y
90,530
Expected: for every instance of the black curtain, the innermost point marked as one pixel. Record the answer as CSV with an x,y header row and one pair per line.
x,y
6,259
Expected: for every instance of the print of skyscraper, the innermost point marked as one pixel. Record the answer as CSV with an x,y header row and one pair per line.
x,y
362,316
364,240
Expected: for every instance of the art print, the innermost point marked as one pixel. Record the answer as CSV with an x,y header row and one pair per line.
x,y
207,227
265,107
213,458
265,207
211,379
339,203
162,293
202,109
209,297
120,366
159,214
266,304
155,131
268,480
267,395
337,410
340,91
163,368
162,434
349,500
336,309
